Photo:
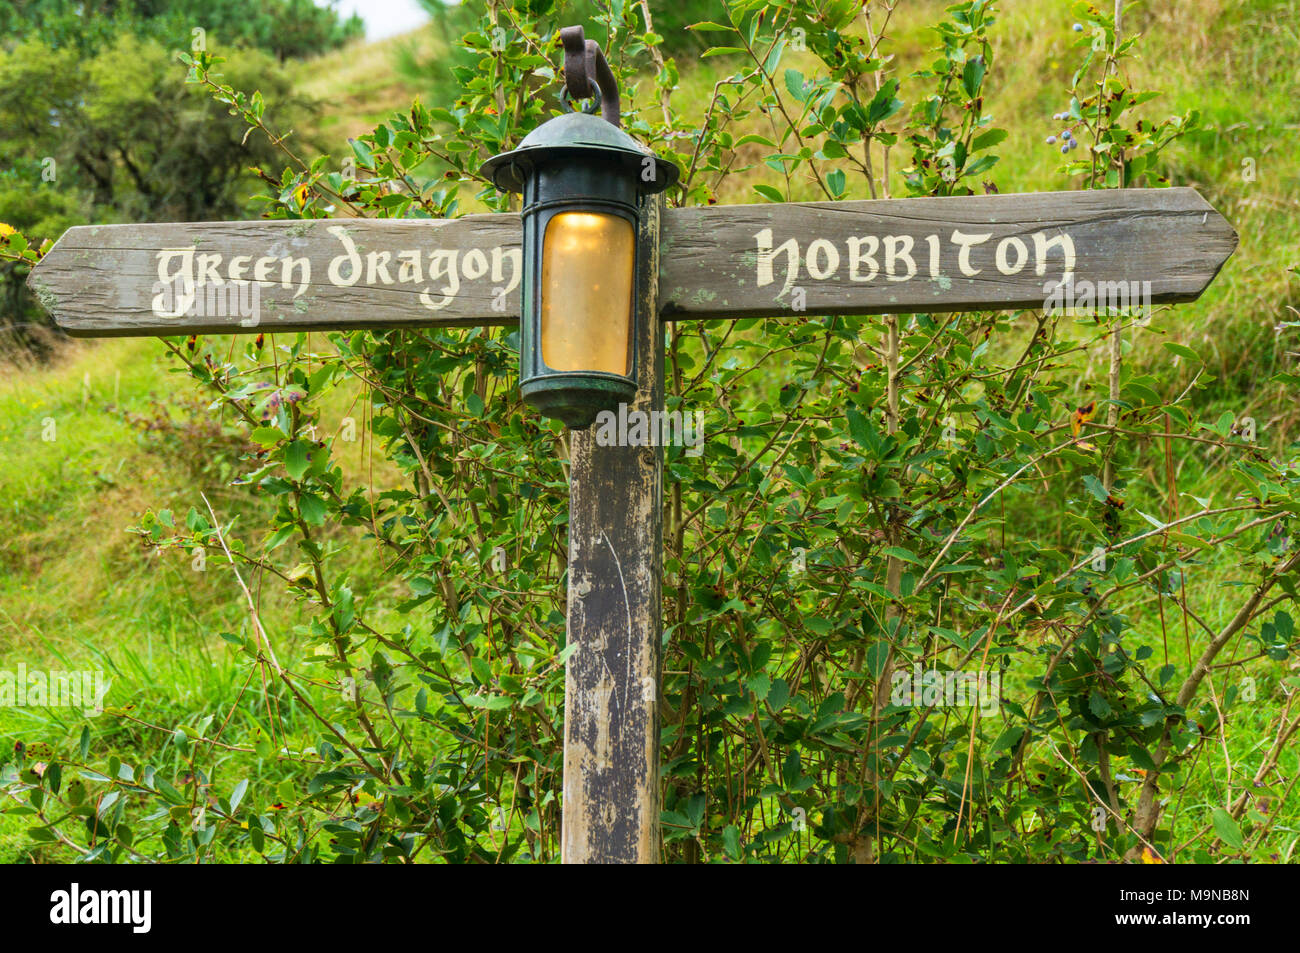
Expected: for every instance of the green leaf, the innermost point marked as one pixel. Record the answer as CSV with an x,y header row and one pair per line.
x,y
1098,705
859,429
973,76
1009,737
769,193
794,82
266,436
883,104
364,158
1227,828
1140,757
779,694
1183,351
836,182
877,656
313,509
731,841
490,702
791,769
987,139
168,792
898,552
295,460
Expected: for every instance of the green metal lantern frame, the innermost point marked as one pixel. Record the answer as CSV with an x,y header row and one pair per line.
x,y
577,162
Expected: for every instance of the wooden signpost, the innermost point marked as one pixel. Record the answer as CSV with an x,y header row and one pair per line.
x,y
728,261
779,260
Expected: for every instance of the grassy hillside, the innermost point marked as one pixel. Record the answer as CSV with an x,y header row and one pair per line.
x,y
87,445
360,84
109,431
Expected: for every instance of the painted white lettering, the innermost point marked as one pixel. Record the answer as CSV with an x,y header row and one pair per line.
x,y
350,256
967,242
894,254
286,273
1022,255
377,267
412,269
474,264
766,255
933,242
857,257
1042,245
499,257
442,264
821,247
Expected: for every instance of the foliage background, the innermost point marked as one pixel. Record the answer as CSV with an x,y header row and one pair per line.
x,y
100,125
350,679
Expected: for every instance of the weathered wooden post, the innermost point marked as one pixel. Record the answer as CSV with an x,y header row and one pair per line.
x,y
611,687
1087,249
591,346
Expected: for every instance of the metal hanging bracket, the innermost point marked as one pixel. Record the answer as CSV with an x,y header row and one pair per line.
x,y
587,74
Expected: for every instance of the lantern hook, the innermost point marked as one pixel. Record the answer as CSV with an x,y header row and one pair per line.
x,y
587,74
592,104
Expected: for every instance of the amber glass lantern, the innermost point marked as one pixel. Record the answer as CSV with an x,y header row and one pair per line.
x,y
583,182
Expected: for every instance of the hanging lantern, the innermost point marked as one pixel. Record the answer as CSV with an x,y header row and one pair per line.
x,y
583,181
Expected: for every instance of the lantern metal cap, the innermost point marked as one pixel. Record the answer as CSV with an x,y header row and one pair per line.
x,y
572,136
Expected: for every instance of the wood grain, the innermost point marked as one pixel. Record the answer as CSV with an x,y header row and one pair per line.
x,y
822,258
99,281
1169,237
611,720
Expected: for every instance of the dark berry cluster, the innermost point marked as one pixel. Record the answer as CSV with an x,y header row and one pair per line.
x,y
1066,138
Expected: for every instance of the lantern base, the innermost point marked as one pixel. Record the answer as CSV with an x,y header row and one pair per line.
x,y
577,399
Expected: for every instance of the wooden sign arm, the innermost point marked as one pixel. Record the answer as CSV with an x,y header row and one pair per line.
x,y
1127,247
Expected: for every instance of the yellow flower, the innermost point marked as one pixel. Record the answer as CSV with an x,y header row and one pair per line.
x,y
6,230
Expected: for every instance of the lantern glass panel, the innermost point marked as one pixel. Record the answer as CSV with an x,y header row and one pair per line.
x,y
588,259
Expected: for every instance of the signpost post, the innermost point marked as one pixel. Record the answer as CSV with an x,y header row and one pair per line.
x,y
779,260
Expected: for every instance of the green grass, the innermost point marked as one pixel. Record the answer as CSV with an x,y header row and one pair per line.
x,y
359,85
78,592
